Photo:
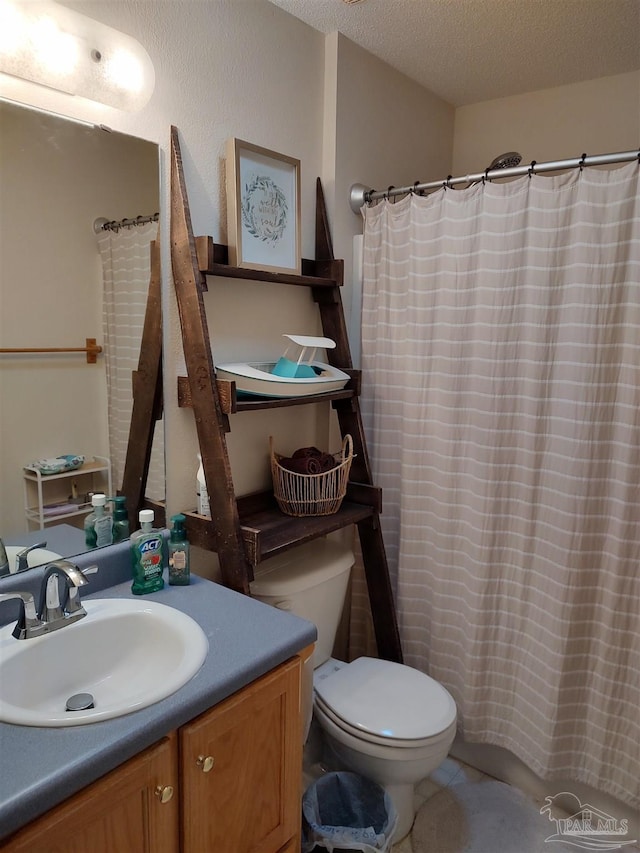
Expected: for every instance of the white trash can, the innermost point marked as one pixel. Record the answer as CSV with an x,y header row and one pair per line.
x,y
346,812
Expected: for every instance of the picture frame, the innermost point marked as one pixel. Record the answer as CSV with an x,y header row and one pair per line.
x,y
263,208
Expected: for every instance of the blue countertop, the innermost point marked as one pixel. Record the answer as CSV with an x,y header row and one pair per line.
x,y
41,767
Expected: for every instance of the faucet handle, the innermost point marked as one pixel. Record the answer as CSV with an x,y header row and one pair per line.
x,y
22,561
72,603
90,570
28,624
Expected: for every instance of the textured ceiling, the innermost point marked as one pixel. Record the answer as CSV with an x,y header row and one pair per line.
x,y
467,51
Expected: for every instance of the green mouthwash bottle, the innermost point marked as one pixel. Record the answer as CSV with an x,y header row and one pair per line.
x,y
179,574
120,519
146,555
97,525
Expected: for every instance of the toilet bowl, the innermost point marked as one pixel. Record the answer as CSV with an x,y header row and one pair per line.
x,y
386,721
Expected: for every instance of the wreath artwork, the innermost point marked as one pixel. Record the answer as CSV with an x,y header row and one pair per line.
x,y
264,210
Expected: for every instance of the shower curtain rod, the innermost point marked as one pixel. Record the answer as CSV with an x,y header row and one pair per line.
x,y
360,194
103,224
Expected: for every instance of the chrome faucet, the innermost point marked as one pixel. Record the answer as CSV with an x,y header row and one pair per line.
x,y
54,612
22,561
28,624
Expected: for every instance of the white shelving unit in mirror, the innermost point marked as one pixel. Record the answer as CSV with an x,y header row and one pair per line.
x,y
50,498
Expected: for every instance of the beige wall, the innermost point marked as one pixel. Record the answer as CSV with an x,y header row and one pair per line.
x,y
596,117
388,129
56,178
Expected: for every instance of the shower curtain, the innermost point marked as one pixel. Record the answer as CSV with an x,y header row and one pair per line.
x,y
501,367
126,269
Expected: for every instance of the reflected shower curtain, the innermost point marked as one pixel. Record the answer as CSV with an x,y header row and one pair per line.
x,y
126,270
501,367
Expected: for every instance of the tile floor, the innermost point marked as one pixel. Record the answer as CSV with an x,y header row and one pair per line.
x,y
449,773
490,835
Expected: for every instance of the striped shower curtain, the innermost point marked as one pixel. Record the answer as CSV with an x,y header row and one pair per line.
x,y
501,365
126,270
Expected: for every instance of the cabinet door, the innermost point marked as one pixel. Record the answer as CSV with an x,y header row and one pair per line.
x,y
120,813
292,846
242,769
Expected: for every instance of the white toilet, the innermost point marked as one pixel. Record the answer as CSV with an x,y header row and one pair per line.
x,y
388,722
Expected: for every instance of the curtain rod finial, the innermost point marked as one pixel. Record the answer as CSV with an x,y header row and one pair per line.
x,y
98,223
357,196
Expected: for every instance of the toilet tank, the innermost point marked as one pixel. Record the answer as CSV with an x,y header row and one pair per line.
x,y
309,581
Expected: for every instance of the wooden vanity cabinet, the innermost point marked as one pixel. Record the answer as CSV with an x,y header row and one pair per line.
x,y
227,782
120,812
241,770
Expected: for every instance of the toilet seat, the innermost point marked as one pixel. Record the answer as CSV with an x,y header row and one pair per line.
x,y
386,703
323,712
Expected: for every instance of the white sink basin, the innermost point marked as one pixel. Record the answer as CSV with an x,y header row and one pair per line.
x,y
37,557
127,653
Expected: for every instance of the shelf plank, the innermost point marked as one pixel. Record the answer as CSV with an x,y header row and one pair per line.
x,y
32,474
266,531
269,277
230,403
271,532
213,260
252,404
34,515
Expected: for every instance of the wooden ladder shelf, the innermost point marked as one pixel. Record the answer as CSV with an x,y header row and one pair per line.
x,y
247,530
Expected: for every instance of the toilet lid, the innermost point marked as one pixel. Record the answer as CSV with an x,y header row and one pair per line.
x,y
388,699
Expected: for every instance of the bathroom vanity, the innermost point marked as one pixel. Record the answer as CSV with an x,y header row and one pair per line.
x,y
229,780
214,766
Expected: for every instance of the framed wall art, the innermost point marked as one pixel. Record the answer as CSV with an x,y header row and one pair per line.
x,y
263,208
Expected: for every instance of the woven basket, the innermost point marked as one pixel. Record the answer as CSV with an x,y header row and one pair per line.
x,y
311,494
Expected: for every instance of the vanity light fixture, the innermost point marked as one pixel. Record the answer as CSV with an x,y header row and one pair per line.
x,y
49,44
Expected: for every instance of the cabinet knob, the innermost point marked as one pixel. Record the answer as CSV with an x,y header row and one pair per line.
x,y
164,793
205,763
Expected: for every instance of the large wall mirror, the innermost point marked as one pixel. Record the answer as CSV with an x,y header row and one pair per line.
x,y
60,284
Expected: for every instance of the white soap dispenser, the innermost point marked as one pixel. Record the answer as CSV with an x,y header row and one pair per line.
x,y
202,494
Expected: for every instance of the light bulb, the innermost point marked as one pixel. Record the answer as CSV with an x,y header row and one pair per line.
x,y
56,50
13,28
125,71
